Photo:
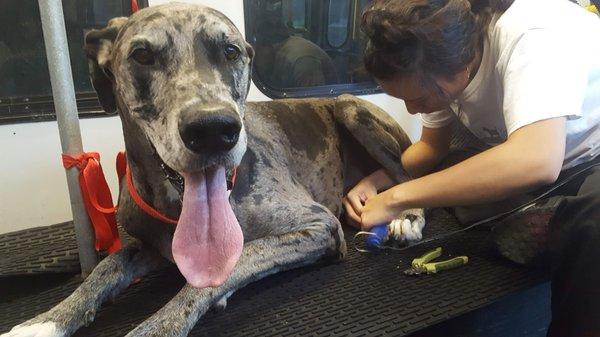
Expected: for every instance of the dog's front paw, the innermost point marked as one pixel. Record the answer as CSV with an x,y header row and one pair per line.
x,y
46,329
408,227
221,304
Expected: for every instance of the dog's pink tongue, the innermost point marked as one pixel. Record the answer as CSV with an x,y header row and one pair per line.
x,y
208,240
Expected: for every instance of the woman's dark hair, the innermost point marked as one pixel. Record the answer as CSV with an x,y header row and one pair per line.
x,y
425,37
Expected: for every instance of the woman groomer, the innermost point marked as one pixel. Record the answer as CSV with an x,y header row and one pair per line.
x,y
524,77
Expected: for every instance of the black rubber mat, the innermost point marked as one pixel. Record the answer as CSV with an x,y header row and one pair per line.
x,y
43,250
366,295
51,249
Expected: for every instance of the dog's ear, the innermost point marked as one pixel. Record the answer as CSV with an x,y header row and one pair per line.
x,y
98,48
250,52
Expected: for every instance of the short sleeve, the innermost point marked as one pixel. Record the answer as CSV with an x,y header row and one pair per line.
x,y
545,77
438,119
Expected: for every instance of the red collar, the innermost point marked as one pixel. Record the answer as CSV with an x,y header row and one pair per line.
x,y
137,198
98,200
123,169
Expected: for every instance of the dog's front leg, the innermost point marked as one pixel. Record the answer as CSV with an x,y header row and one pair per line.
x,y
112,275
259,258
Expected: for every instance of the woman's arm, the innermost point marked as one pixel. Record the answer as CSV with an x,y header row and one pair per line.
x,y
532,156
417,159
423,156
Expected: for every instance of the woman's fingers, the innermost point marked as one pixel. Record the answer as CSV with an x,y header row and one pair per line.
x,y
352,217
356,203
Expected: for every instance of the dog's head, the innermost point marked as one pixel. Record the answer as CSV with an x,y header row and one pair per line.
x,y
180,74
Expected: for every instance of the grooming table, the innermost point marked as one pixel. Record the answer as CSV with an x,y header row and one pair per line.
x,y
366,295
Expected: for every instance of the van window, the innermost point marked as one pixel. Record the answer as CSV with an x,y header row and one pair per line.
x,y
337,22
25,90
307,47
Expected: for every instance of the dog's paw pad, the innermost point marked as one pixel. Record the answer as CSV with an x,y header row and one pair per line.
x,y
47,329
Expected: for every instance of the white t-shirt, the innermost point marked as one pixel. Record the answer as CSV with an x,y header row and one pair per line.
x,y
541,60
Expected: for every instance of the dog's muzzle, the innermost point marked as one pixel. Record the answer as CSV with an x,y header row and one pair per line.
x,y
209,132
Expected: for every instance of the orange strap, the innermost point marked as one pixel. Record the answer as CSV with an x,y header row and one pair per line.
x,y
97,199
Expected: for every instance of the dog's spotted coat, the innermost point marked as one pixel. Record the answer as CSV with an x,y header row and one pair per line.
x,y
296,160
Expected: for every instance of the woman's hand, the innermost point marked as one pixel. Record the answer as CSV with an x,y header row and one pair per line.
x,y
355,199
381,208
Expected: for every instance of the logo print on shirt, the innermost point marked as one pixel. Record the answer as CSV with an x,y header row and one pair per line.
x,y
491,136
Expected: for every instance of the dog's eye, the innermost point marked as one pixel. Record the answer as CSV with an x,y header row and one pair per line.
x,y
143,56
232,52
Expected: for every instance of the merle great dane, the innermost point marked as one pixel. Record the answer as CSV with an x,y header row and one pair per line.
x,y
179,75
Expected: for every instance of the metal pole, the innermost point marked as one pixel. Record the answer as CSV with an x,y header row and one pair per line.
x,y
63,92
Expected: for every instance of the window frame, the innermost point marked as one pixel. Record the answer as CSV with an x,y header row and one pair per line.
x,y
41,108
361,88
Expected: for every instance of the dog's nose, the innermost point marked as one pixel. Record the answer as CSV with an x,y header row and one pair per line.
x,y
211,132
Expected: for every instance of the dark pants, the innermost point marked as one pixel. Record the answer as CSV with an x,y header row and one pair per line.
x,y
570,249
573,244
573,248
574,252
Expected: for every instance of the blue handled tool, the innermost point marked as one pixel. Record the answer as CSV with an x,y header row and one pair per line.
x,y
379,235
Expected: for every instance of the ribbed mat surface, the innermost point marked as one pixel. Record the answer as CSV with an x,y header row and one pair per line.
x,y
366,295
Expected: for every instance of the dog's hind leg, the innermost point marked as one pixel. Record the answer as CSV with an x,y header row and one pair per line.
x,y
314,234
112,275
